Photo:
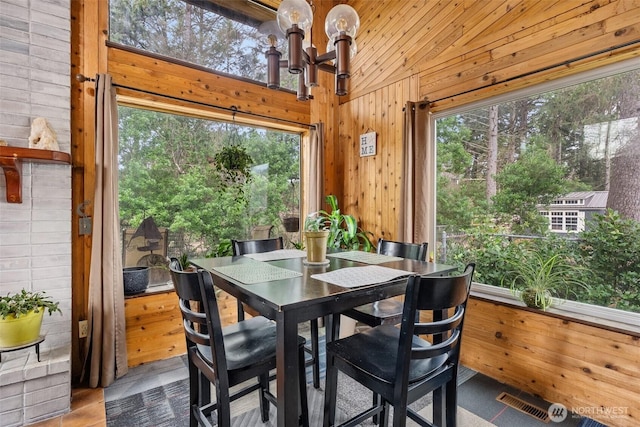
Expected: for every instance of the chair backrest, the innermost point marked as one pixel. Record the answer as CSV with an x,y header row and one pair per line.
x,y
446,298
242,247
417,251
203,316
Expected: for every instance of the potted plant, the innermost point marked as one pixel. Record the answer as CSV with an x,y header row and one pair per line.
x,y
341,230
537,279
316,235
291,218
184,262
344,232
21,317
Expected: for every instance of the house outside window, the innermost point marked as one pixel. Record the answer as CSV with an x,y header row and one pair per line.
x,y
574,211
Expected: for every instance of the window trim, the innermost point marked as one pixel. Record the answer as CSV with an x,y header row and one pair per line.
x,y
626,322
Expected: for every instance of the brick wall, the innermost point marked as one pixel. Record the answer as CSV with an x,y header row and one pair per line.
x,y
35,236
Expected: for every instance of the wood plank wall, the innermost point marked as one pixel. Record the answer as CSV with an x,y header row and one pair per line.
x,y
454,52
371,185
563,361
154,325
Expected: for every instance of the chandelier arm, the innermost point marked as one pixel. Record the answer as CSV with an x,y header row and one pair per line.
x,y
326,57
327,68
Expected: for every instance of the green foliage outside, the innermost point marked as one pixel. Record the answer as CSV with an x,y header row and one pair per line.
x,y
605,258
170,168
534,179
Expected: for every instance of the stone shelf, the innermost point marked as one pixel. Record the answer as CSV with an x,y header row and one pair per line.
x,y
11,159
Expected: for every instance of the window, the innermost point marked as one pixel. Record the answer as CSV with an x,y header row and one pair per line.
x,y
221,35
554,179
203,183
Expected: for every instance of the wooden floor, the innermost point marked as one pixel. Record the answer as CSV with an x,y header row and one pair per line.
x,y
87,410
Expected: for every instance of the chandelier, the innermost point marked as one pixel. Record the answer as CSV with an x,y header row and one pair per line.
x,y
295,18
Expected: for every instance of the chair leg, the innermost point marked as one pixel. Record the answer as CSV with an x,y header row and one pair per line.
x,y
223,408
302,380
384,414
315,353
264,403
376,403
240,311
437,416
194,395
451,402
330,393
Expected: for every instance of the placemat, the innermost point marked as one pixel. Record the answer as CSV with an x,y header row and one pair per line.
x,y
365,257
352,277
278,254
256,272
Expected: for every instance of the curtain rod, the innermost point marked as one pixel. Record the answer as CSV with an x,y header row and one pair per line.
x,y
233,109
549,67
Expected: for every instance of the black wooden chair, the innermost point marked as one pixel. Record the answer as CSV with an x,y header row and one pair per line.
x,y
226,357
243,247
388,311
400,366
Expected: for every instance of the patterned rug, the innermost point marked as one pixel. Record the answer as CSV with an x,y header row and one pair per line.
x,y
167,406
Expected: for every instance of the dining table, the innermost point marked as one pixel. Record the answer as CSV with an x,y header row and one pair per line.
x,y
281,285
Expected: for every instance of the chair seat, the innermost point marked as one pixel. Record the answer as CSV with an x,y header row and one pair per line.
x,y
377,352
384,312
246,343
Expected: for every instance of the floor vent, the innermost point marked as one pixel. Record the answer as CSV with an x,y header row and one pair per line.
x,y
524,407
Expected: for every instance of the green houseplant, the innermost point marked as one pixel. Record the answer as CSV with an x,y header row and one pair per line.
x,y
539,279
343,228
340,230
21,316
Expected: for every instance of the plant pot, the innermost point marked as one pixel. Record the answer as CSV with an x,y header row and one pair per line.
x,y
316,243
136,279
291,224
21,330
536,299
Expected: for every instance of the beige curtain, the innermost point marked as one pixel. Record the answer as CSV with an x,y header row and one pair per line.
x,y
314,190
106,349
417,193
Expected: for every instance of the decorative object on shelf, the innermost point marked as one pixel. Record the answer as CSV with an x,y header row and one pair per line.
x,y
136,279
295,18
3,143
42,135
21,317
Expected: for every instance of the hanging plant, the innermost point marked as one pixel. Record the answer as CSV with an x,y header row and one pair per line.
x,y
234,164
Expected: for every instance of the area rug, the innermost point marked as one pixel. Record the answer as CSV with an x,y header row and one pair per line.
x,y
167,406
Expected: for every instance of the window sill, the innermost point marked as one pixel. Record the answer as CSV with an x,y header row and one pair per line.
x,y
603,317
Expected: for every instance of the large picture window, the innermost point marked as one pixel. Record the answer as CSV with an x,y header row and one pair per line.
x,y
549,173
202,183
